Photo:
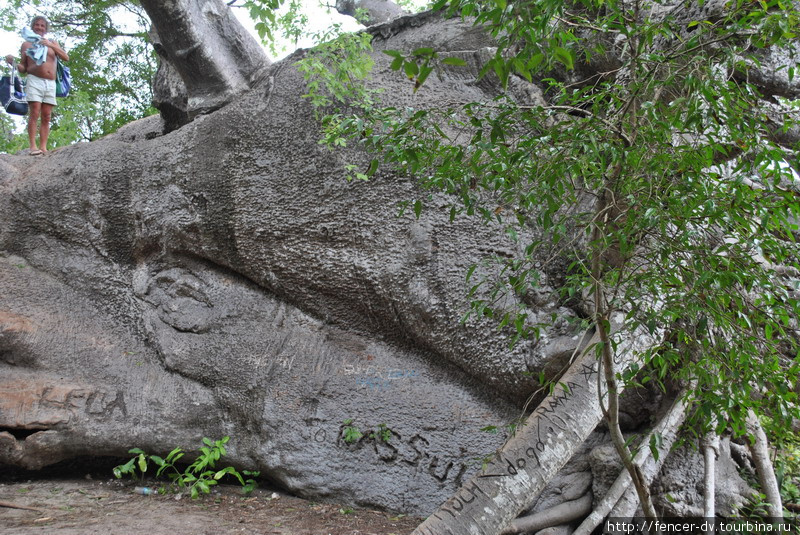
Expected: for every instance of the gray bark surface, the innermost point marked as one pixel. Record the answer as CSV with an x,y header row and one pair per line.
x,y
563,513
225,278
164,284
710,453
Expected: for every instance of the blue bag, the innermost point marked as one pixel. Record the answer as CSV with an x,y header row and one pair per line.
x,y
11,93
63,79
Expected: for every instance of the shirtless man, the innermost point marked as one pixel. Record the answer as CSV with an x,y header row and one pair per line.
x,y
40,87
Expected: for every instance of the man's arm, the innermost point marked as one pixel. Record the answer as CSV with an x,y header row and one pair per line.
x,y
22,66
60,53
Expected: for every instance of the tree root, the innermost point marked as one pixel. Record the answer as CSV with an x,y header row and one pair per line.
x,y
562,513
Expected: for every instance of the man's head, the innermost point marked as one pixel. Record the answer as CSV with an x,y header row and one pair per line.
x,y
40,25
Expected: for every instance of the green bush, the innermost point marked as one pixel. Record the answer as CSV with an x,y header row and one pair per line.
x,y
197,478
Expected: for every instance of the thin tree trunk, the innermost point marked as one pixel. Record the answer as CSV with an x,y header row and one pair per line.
x,y
563,513
602,316
710,455
759,448
621,490
519,471
611,414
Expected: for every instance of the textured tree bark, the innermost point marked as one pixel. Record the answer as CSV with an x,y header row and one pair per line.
x,y
520,470
204,43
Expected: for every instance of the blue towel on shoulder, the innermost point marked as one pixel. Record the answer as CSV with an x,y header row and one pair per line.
x,y
38,52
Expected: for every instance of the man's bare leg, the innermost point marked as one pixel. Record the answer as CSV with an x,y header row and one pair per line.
x,y
44,128
34,110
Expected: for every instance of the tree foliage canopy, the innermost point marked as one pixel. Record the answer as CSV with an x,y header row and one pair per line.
x,y
654,168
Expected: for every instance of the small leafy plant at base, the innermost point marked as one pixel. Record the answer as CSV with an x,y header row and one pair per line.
x,y
197,478
383,433
787,471
351,433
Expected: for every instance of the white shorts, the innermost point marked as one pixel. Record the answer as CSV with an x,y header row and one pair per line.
x,y
40,90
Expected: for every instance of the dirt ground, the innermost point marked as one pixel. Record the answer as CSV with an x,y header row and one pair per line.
x,y
93,504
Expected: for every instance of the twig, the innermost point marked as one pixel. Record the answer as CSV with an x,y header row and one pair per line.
x,y
10,505
591,115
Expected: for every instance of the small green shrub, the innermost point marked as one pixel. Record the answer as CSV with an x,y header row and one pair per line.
x,y
383,433
351,433
787,470
197,478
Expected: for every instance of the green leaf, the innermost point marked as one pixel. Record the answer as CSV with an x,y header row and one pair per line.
x,y
470,271
411,69
458,62
220,473
656,441
373,166
535,61
564,56
423,75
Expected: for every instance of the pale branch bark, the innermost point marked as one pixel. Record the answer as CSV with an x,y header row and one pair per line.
x,y
710,455
370,12
563,513
759,449
621,490
518,472
213,54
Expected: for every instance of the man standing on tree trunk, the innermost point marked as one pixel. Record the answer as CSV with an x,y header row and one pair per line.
x,y
39,63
